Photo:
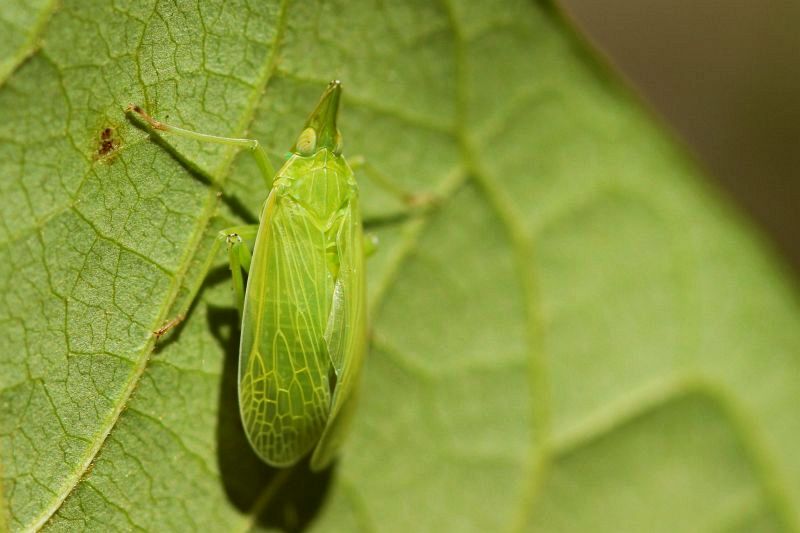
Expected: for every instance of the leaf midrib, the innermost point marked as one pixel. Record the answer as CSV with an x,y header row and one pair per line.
x,y
209,210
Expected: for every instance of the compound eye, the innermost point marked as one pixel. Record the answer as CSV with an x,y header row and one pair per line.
x,y
306,142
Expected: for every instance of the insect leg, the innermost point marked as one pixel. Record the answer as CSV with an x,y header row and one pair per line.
x,y
240,240
168,326
266,168
414,201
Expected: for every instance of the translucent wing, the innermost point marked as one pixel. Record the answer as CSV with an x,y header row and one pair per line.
x,y
284,367
345,333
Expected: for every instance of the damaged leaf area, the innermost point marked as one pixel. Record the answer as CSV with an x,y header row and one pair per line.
x,y
578,335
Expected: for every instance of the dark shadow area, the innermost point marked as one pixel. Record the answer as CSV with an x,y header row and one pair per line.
x,y
429,204
248,481
298,501
382,221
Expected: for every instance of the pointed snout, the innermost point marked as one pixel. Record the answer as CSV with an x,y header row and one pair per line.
x,y
323,118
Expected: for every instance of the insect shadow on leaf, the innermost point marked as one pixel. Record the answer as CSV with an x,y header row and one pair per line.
x,y
287,499
233,203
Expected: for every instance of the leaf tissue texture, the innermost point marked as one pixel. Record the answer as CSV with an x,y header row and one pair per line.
x,y
578,336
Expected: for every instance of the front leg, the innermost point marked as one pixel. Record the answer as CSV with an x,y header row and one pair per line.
x,y
264,165
240,241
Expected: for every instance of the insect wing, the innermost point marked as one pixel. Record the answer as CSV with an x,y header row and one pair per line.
x,y
284,392
345,334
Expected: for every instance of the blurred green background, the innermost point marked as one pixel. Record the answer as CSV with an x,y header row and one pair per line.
x,y
726,77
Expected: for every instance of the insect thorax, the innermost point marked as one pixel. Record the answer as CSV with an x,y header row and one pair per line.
x,y
322,184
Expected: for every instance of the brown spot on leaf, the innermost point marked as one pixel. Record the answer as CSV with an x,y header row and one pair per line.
x,y
107,144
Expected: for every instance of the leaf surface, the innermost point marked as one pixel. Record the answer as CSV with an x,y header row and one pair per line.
x,y
579,336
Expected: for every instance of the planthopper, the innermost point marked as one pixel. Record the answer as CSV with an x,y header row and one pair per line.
x,y
298,279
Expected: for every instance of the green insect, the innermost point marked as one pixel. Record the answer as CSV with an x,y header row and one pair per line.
x,y
303,309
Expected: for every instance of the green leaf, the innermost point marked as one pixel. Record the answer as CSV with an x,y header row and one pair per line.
x,y
21,24
581,336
